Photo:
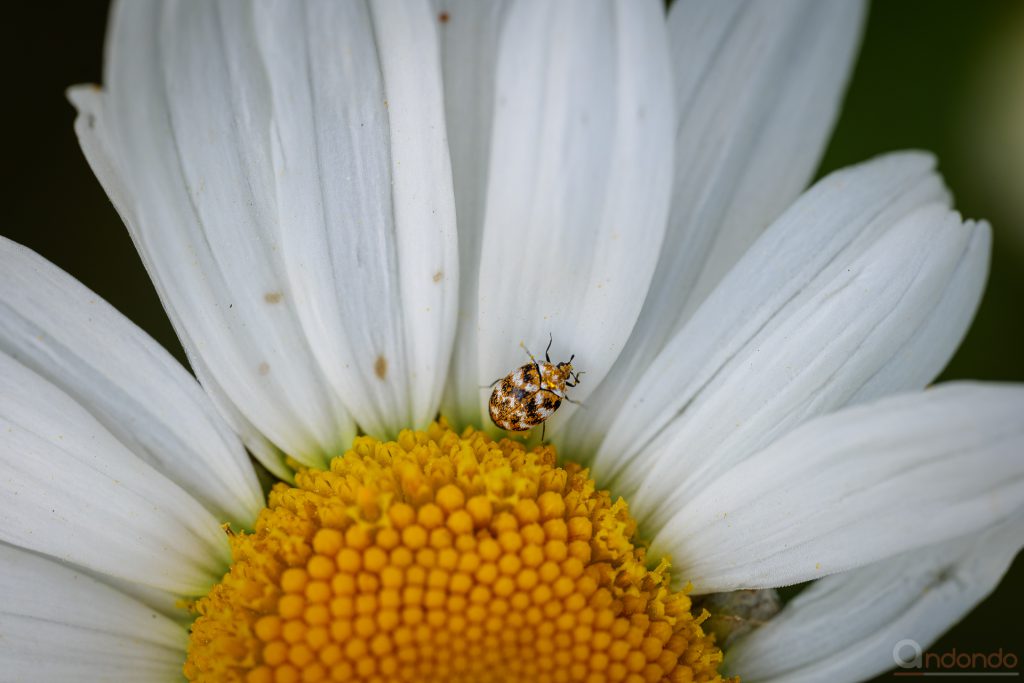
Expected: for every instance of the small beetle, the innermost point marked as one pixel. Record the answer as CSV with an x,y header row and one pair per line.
x,y
528,396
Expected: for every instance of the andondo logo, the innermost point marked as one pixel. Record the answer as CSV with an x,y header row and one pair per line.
x,y
912,660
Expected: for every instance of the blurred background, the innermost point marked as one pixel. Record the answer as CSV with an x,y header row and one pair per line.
x,y
940,75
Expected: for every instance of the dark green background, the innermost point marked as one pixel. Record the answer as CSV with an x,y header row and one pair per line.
x,y
915,86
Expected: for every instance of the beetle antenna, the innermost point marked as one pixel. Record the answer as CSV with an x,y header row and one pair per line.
x,y
522,345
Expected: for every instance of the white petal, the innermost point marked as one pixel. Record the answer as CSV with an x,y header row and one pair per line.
x,y
470,36
578,186
933,343
855,625
269,455
790,63
166,603
822,302
70,489
758,87
177,141
92,136
42,652
60,625
828,347
365,202
855,487
136,390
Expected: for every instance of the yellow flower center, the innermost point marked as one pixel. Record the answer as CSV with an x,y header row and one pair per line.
x,y
446,558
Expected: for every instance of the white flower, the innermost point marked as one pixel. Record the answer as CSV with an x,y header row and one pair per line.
x,y
291,174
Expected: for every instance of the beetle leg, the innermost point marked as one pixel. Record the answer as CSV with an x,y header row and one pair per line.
x,y
547,356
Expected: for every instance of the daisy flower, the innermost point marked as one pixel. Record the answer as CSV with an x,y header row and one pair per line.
x,y
354,212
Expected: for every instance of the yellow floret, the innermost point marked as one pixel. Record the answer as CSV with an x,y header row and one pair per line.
x,y
446,557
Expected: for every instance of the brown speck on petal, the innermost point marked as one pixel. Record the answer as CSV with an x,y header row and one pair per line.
x,y
438,276
443,17
273,297
380,367
264,368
